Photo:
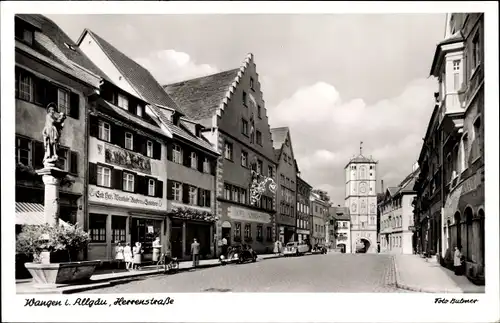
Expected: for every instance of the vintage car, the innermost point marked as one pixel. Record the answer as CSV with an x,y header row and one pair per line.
x,y
319,249
238,255
295,248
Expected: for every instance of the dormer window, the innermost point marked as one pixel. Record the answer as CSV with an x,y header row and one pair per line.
x,y
176,118
139,110
122,102
24,33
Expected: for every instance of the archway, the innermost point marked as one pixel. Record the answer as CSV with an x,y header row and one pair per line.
x,y
226,231
362,245
469,234
480,214
342,247
458,231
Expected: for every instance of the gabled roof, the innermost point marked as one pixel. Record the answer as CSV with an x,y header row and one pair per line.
x,y
202,97
279,136
340,213
139,77
58,47
392,190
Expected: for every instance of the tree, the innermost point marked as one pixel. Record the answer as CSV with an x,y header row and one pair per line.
x,y
323,195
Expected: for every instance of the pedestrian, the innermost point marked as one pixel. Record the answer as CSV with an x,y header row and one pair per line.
x,y
119,256
195,251
127,255
156,249
457,260
137,255
276,249
224,246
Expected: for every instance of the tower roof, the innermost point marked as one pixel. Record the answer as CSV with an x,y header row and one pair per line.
x,y
360,159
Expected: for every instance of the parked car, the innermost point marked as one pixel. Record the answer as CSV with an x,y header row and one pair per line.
x,y
319,248
295,248
238,254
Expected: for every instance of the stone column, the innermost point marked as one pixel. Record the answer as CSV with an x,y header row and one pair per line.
x,y
51,177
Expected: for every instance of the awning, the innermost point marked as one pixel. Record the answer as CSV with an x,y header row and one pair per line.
x,y
31,214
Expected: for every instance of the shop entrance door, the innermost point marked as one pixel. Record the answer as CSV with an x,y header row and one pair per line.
x,y
145,231
176,239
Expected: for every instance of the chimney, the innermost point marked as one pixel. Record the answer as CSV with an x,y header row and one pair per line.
x,y
382,184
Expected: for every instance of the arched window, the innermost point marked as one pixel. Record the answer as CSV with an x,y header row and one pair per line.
x,y
470,234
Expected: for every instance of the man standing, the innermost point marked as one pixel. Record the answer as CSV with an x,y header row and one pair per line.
x,y
195,251
224,246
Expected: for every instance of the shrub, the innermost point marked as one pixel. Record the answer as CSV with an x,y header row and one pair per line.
x,y
34,239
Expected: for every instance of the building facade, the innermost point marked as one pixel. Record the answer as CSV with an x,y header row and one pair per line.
x,y
361,199
230,107
319,217
164,150
396,221
303,218
287,187
339,228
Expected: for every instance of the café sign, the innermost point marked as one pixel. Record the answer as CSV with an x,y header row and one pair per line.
x,y
119,198
241,214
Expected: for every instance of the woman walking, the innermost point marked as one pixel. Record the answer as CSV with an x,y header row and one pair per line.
x,y
137,255
127,255
119,256
457,260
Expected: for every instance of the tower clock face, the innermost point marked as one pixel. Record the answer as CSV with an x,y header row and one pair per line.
x,y
353,207
362,187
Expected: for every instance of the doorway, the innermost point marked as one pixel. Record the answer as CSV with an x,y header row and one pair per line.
x,y
363,245
176,239
226,233
342,247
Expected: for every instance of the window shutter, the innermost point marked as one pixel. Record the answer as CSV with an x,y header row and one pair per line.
x,y
94,126
117,179
38,154
185,193
159,189
92,174
207,198
170,188
73,162
74,105
186,154
169,150
139,184
137,143
157,150
201,158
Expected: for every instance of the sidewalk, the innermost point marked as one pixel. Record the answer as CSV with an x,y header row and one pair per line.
x,y
108,277
415,274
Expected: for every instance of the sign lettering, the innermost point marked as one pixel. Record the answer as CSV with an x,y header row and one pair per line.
x,y
105,195
241,214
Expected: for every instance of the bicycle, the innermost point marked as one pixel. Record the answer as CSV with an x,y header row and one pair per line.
x,y
168,263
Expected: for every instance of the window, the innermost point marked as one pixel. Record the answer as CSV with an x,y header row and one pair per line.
x,y
236,196
206,165
129,141
104,131
23,151
465,151
177,156
227,192
456,166
24,34
139,110
151,187
228,151
118,226
149,148
244,127
194,160
103,176
243,196
259,111
456,74
128,182
259,166
122,102
244,159
259,232
282,179
270,171
25,87
63,159
251,83
193,195
177,191
204,198
63,100
269,234
97,227
244,98
248,231
259,137
476,60
285,157
237,230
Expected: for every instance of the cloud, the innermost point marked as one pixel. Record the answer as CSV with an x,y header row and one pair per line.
x,y
326,132
169,66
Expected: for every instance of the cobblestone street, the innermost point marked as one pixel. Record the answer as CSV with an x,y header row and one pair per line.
x,y
318,273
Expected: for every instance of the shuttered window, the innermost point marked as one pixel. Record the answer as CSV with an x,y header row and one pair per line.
x,y
103,176
149,148
151,187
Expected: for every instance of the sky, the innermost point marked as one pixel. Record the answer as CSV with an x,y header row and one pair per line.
x,y
334,79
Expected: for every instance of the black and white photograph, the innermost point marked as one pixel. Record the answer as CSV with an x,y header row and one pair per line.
x,y
297,158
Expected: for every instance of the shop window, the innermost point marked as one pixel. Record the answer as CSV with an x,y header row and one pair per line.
x,y
128,182
177,154
103,176
259,232
248,231
118,226
97,227
104,131
269,234
129,141
151,187
149,149
237,231
177,191
193,195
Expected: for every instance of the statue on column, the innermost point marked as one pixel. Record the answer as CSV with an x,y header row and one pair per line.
x,y
54,123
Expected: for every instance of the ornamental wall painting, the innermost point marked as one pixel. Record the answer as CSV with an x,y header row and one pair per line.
x,y
127,159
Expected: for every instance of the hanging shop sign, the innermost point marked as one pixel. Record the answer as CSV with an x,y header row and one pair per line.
x,y
120,198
